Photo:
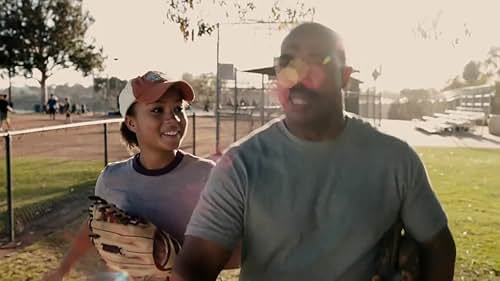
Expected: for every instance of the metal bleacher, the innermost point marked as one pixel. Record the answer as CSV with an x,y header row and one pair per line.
x,y
471,108
460,120
432,125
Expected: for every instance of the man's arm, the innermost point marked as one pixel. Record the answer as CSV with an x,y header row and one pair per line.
x,y
214,232
199,260
425,220
438,257
235,258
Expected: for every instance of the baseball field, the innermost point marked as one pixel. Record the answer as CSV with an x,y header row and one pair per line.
x,y
56,170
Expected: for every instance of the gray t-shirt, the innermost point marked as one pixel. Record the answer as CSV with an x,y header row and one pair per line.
x,y
166,196
314,210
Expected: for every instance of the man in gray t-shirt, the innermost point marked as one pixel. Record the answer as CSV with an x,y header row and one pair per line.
x,y
310,196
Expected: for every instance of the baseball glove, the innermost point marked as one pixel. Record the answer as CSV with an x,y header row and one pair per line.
x,y
130,244
398,258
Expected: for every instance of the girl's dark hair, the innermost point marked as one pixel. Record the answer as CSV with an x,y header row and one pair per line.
x,y
128,137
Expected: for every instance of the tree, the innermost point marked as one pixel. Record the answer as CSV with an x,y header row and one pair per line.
x,y
376,73
10,42
475,73
471,71
415,103
203,85
191,17
53,37
431,29
110,88
455,83
492,62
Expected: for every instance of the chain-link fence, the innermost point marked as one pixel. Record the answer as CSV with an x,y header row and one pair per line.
x,y
47,165
44,166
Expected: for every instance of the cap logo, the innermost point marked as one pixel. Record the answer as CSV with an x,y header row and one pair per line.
x,y
154,77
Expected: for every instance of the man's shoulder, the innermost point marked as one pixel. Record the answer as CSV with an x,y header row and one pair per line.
x,y
249,149
365,135
262,135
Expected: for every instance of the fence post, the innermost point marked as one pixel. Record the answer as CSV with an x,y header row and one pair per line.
x,y
194,133
262,106
235,129
105,144
10,199
217,97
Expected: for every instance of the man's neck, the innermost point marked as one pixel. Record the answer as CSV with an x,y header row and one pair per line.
x,y
327,130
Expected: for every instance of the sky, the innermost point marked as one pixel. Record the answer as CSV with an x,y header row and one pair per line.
x,y
137,37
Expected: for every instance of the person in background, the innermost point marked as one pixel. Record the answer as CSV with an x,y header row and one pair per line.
x,y
67,109
52,106
5,108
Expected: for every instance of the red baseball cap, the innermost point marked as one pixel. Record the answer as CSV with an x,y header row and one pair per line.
x,y
149,88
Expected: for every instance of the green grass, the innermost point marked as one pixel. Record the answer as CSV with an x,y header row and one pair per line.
x,y
35,177
467,182
37,181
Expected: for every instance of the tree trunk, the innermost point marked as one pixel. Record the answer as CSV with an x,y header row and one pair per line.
x,y
43,90
11,72
10,88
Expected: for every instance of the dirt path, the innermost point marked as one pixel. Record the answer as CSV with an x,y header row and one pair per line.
x,y
44,243
86,143
64,213
36,120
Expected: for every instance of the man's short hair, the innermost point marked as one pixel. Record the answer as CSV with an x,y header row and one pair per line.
x,y
316,29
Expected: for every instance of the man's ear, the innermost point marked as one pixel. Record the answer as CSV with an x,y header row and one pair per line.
x,y
130,123
346,75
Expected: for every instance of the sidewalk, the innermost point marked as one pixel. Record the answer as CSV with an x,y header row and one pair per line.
x,y
405,130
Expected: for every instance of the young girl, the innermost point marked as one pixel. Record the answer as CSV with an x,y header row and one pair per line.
x,y
161,182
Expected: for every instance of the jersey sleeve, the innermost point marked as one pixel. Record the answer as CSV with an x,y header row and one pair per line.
x,y
100,186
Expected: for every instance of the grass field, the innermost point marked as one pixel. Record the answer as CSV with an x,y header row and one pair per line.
x,y
38,180
467,182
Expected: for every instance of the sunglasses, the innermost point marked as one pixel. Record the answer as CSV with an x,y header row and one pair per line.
x,y
291,70
289,61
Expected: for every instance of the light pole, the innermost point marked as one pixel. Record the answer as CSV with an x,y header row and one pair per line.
x,y
217,98
375,74
235,121
217,82
107,80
